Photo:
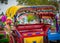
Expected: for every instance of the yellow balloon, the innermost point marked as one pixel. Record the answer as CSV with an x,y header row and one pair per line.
x,y
12,11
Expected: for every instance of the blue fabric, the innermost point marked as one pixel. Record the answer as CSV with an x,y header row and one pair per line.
x,y
53,36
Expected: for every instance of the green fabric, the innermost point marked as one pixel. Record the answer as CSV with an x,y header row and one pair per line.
x,y
1,35
4,40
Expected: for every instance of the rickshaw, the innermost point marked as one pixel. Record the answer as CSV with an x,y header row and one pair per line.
x,y
28,28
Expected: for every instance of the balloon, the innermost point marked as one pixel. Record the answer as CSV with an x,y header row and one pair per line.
x,y
8,21
3,18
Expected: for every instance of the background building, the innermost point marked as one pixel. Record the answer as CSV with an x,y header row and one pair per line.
x,y
3,6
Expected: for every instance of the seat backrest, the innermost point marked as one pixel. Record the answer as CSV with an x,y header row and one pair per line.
x,y
29,27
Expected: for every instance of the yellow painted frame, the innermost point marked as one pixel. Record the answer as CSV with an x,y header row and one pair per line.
x,y
38,39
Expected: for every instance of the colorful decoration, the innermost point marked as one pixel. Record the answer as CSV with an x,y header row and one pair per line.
x,y
28,21
27,18
8,21
4,18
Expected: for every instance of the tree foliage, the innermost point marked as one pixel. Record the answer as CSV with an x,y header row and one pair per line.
x,y
37,2
33,2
